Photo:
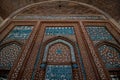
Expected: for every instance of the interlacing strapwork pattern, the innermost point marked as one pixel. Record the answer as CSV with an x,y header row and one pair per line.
x,y
110,56
8,55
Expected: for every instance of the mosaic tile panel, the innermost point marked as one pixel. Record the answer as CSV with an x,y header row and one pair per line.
x,y
8,55
80,17
58,72
97,33
59,53
110,56
20,33
59,31
59,41
37,74
95,56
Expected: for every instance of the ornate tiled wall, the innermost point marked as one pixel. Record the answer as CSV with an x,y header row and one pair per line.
x,y
54,17
99,33
19,33
56,57
59,53
62,45
59,31
11,46
67,32
108,54
8,55
58,72
54,53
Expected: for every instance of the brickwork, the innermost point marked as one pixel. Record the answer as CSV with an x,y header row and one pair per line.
x,y
109,6
64,8
77,49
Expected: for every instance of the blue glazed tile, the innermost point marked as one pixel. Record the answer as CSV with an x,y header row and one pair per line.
x,y
74,66
56,41
58,51
98,33
58,72
59,31
109,56
20,32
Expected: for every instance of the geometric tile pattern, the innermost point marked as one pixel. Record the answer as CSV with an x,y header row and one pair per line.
x,y
98,33
110,56
58,72
57,49
8,55
56,55
19,33
54,63
59,53
59,31
83,17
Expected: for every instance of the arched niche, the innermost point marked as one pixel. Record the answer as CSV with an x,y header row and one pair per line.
x,y
9,53
63,51
57,42
61,54
110,54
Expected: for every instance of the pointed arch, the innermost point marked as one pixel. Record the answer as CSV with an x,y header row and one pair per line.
x,y
58,39
9,52
109,54
107,43
11,42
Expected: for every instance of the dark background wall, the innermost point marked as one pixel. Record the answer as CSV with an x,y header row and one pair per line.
x,y
112,7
